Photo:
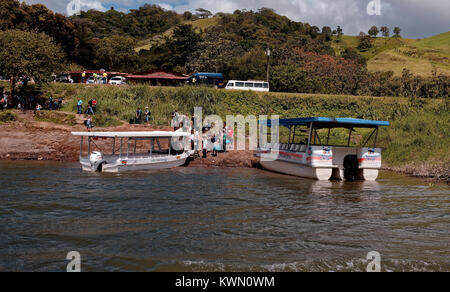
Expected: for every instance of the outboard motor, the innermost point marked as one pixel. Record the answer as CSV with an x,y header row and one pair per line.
x,y
351,166
97,161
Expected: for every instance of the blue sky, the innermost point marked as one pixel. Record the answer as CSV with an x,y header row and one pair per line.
x,y
417,18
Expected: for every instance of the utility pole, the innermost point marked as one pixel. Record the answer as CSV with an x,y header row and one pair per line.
x,y
268,52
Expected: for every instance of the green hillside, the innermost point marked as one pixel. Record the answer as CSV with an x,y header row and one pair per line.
x,y
421,57
379,45
200,24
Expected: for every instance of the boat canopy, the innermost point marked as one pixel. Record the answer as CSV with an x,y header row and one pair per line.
x,y
131,134
328,123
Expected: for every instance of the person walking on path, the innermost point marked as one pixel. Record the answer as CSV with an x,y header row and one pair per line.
x,y
94,105
80,107
89,110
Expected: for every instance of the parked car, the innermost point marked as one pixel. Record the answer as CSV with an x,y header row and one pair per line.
x,y
90,80
62,78
118,80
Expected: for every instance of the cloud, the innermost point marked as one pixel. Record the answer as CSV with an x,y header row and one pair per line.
x,y
417,18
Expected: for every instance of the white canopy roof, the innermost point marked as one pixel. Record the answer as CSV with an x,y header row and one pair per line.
x,y
131,134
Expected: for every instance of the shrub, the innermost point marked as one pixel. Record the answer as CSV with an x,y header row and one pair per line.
x,y
60,118
6,117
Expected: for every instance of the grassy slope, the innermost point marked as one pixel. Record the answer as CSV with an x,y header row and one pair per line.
x,y
200,24
395,54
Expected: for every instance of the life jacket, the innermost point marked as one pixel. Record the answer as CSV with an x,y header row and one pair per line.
x,y
94,103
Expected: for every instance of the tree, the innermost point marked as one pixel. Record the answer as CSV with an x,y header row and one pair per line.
x,y
373,31
116,53
203,13
339,33
397,31
250,66
327,33
214,56
187,15
385,31
352,54
29,54
175,51
16,15
364,42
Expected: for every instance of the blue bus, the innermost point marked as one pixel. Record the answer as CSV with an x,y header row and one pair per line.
x,y
208,79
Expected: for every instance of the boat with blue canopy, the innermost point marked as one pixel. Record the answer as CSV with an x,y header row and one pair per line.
x,y
323,148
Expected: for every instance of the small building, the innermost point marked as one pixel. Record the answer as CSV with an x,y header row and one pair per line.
x,y
158,77
76,76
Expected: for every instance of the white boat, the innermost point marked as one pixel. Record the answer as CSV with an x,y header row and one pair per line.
x,y
156,151
311,153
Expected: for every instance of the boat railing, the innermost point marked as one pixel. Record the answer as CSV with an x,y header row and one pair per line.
x,y
286,147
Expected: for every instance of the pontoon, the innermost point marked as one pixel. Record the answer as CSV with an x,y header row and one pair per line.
x,y
314,149
133,151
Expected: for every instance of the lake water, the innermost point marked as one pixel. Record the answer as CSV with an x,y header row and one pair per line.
x,y
193,219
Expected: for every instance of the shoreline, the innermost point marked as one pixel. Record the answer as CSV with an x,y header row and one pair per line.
x,y
30,140
213,163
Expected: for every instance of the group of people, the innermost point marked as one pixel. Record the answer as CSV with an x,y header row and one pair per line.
x,y
142,116
98,79
216,142
52,104
91,108
29,103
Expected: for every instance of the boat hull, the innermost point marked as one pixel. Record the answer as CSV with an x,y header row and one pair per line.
x,y
131,165
299,170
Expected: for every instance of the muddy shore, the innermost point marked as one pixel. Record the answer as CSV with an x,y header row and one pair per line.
x,y
27,139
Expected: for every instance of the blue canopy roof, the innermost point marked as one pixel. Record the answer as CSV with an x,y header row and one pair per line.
x,y
210,75
329,122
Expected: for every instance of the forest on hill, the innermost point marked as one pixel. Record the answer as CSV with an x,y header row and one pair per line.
x,y
304,58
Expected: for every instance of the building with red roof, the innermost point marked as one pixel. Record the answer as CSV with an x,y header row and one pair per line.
x,y
158,77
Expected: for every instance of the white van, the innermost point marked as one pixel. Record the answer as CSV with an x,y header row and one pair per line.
x,y
248,85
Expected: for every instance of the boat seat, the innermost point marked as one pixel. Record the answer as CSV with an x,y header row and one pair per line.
x,y
293,147
303,148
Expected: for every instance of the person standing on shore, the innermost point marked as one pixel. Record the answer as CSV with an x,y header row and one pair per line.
x,y
80,107
60,101
147,114
138,116
83,77
225,135
88,123
2,103
205,146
